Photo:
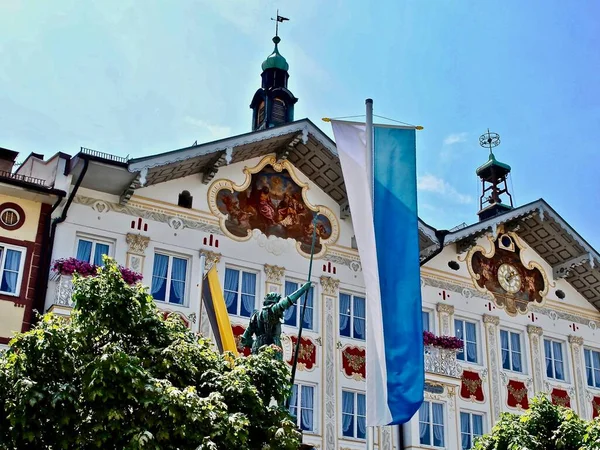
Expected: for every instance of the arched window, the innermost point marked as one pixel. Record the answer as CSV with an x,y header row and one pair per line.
x,y
185,199
260,116
279,112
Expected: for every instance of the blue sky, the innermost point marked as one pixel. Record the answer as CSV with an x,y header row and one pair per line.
x,y
137,77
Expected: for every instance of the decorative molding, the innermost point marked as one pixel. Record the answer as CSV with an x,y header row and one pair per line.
x,y
576,343
211,258
444,308
460,289
330,430
532,329
490,319
330,285
534,333
137,243
274,273
576,340
386,438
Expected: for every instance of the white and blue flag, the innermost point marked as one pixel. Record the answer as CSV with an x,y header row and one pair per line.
x,y
386,229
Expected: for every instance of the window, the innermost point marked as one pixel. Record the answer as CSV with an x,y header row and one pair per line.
x,y
279,112
185,199
467,331
91,250
354,415
240,292
471,427
11,269
10,217
426,320
554,359
169,276
510,343
592,367
431,424
352,316
304,417
292,314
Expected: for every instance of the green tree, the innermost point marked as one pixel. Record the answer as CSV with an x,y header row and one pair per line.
x,y
543,426
119,376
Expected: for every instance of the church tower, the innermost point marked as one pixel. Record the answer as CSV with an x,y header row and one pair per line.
x,y
493,176
273,103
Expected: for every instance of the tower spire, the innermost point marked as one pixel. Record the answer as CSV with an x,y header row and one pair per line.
x,y
493,176
277,20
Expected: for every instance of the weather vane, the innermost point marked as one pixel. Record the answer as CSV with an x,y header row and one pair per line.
x,y
489,140
277,20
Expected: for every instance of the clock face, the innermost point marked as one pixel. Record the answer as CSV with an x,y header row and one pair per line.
x,y
509,278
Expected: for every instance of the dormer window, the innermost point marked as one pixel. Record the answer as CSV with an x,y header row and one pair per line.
x,y
185,199
279,112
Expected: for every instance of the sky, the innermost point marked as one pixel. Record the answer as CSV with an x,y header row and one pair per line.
x,y
139,77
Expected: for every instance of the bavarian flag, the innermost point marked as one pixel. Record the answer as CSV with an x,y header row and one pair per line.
x,y
214,303
384,218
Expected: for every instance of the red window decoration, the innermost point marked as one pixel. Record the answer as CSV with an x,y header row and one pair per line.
x,y
238,331
517,394
354,362
471,386
595,407
12,216
560,397
307,356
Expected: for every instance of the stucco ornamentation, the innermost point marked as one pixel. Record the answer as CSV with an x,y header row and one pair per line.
x,y
274,273
137,243
330,285
211,258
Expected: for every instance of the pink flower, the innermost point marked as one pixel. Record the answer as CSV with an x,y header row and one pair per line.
x,y
69,266
446,342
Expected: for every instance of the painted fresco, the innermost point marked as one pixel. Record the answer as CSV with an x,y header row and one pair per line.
x,y
273,204
531,286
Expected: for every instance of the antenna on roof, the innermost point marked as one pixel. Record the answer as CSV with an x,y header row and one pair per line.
x,y
195,143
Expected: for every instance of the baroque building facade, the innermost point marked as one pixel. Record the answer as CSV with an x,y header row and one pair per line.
x,y
520,287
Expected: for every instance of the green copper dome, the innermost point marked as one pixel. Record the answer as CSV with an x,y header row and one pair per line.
x,y
484,170
275,60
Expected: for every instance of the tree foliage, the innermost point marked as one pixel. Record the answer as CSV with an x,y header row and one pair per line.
x,y
117,375
543,426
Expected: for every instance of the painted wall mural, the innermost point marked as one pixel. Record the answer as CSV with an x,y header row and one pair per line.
x,y
502,272
273,200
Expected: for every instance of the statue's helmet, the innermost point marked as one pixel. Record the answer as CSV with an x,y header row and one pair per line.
x,y
271,298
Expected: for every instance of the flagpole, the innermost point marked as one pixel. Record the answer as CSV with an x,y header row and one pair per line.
x,y
370,159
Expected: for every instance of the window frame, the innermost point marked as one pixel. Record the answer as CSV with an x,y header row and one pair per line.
x,y
355,415
300,386
563,349
299,304
511,351
238,299
596,382
431,402
465,320
351,315
471,435
430,326
94,240
23,251
168,279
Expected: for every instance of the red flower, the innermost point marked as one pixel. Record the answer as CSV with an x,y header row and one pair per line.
x,y
69,266
446,342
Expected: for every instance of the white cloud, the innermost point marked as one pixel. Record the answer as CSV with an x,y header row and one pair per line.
x,y
455,138
431,183
215,131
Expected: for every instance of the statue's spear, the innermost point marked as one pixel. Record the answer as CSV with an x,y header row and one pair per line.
x,y
297,350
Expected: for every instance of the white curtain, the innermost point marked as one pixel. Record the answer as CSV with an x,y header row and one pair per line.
x,y
307,408
465,431
344,314
458,332
596,366
159,276
347,413
84,250
425,320
308,314
548,352
424,424
361,416
294,401
101,249
438,424
289,316
505,349
10,275
248,293
178,273
231,290
515,343
471,342
588,367
558,360
477,425
359,317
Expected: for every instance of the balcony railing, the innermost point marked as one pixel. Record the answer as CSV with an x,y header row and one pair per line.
x,y
101,155
64,290
442,361
18,177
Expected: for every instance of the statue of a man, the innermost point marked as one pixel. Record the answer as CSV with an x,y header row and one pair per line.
x,y
265,323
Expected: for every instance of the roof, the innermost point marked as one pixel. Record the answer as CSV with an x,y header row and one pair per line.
x,y
28,187
570,255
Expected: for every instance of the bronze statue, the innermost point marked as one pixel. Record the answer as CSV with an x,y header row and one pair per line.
x,y
266,322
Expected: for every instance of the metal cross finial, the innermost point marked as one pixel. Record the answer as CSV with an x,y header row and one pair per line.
x,y
489,140
277,20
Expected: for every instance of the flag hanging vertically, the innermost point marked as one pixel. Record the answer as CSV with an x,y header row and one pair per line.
x,y
385,222
212,295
